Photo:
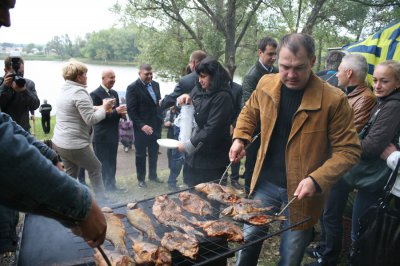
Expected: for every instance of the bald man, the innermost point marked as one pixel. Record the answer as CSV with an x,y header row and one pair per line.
x,y
105,137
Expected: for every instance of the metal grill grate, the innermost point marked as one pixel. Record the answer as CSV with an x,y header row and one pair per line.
x,y
67,249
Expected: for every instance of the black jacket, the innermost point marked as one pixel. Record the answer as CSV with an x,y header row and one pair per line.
x,y
45,110
213,115
250,80
18,104
107,129
237,94
385,128
185,85
141,108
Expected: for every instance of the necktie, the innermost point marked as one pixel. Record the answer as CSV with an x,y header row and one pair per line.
x,y
151,91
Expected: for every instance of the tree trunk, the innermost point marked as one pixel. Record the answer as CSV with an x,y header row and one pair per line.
x,y
308,28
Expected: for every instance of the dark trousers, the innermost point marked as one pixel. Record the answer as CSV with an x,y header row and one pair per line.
x,y
107,155
146,145
46,124
332,223
251,158
8,233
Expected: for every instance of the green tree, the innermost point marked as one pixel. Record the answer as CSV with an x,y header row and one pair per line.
x,y
216,26
111,44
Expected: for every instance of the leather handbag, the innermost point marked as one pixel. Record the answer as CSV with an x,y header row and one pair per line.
x,y
368,174
378,240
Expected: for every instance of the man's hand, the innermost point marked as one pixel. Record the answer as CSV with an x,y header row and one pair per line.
x,y
181,148
167,124
8,79
121,110
237,151
148,130
60,166
93,228
9,82
184,99
306,188
388,150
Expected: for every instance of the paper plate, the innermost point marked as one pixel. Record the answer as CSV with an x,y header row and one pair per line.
x,y
168,143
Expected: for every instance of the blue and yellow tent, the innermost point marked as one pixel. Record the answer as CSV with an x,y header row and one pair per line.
x,y
381,46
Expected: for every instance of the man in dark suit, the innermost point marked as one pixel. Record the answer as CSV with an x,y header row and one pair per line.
x,y
105,137
264,65
185,85
142,98
187,82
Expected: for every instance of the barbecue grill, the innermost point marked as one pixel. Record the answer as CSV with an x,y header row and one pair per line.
x,y
44,241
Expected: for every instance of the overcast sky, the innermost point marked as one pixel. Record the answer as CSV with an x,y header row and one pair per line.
x,y
38,21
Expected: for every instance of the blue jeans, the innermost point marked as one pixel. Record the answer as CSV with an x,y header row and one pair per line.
x,y
175,166
293,243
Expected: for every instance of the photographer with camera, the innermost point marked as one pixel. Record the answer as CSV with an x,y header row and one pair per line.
x,y
17,94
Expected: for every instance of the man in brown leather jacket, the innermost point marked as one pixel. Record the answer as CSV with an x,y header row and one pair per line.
x,y
308,140
351,75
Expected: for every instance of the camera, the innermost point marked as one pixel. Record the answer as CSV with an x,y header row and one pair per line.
x,y
18,78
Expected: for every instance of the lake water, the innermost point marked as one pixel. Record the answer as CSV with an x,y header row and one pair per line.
x,y
48,79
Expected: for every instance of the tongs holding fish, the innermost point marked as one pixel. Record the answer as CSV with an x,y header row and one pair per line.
x,y
230,164
104,256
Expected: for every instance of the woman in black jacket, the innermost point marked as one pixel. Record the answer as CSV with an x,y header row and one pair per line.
x,y
383,131
208,148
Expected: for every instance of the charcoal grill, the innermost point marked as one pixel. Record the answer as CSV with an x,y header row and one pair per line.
x,y
44,241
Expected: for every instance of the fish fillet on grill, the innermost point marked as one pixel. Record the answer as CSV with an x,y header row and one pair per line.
x,y
169,213
150,254
210,188
185,244
115,230
115,258
140,220
194,204
243,208
223,194
258,218
221,228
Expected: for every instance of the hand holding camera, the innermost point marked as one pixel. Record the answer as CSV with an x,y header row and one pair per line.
x,y
9,79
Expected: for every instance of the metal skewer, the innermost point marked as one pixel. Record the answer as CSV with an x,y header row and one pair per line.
x,y
230,164
286,206
104,255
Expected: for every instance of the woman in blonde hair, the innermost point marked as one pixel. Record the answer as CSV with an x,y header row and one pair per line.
x,y
74,120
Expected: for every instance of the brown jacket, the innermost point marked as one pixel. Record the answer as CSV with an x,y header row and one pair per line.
x,y
323,142
361,100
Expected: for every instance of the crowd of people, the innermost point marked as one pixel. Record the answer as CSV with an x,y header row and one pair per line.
x,y
303,135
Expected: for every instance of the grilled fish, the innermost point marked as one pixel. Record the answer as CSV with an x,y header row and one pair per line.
x,y
185,244
115,230
257,218
194,204
211,188
243,208
115,258
220,228
169,213
222,194
147,253
139,219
